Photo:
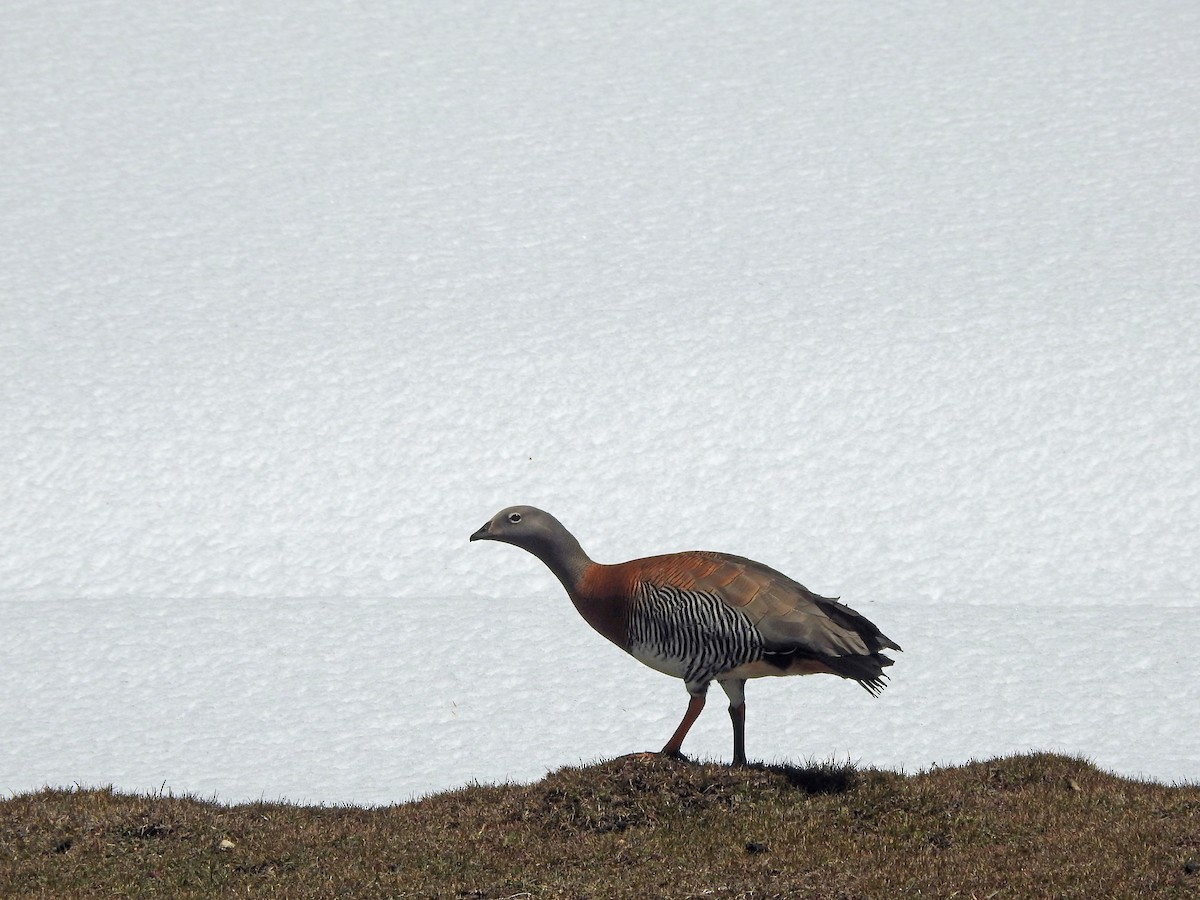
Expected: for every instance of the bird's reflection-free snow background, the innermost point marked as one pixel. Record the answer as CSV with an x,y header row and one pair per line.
x,y
902,300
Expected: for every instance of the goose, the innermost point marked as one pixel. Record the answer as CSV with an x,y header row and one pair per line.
x,y
703,617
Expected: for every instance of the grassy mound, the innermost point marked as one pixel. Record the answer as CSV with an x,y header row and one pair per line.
x,y
1034,825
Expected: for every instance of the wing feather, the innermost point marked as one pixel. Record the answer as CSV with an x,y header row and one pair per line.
x,y
788,615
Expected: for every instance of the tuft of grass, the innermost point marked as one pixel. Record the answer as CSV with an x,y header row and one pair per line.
x,y
1034,825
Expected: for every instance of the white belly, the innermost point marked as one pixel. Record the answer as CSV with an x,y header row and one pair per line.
x,y
647,656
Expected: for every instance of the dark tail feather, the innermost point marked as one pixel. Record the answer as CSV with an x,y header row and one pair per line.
x,y
874,686
866,670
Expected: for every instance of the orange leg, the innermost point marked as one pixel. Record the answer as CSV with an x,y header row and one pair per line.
x,y
693,711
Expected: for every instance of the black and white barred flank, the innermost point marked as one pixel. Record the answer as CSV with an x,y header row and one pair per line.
x,y
701,637
699,631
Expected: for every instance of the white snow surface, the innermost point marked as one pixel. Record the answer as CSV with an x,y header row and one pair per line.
x,y
901,299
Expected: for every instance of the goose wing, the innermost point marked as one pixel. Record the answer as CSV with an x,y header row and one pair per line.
x,y
788,615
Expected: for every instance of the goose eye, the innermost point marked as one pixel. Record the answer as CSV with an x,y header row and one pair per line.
x,y
514,518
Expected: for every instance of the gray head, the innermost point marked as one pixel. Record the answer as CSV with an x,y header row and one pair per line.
x,y
542,535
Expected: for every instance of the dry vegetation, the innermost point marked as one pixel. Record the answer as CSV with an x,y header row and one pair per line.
x,y
1027,826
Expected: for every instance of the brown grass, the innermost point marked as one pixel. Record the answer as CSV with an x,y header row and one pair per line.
x,y
1026,826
